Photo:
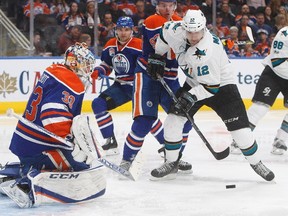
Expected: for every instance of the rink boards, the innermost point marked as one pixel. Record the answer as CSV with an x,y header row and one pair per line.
x,y
19,75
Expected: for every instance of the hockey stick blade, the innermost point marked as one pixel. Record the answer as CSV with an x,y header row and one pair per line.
x,y
217,155
110,165
116,168
250,34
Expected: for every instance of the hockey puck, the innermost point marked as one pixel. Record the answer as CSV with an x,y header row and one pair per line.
x,y
230,186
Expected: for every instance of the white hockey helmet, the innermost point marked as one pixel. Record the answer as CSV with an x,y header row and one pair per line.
x,y
194,21
80,60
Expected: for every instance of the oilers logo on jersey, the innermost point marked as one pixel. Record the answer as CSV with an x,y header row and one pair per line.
x,y
120,63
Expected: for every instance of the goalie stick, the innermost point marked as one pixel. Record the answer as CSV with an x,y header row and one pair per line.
x,y
217,155
118,80
132,176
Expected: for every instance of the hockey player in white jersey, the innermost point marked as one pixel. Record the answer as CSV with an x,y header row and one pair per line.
x,y
210,81
273,80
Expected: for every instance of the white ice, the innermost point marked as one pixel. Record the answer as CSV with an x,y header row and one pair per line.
x,y
202,193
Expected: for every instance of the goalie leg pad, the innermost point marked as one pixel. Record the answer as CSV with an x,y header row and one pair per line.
x,y
85,138
67,187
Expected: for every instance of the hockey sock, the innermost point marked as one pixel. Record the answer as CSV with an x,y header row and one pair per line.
x,y
157,131
186,129
257,112
172,150
282,132
105,124
134,140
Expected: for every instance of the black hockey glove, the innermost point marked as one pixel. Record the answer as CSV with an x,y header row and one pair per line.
x,y
185,102
155,66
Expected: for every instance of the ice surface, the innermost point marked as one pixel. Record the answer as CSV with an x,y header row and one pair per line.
x,y
202,193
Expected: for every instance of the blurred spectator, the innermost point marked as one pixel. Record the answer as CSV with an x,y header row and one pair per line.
x,y
269,20
231,43
106,28
115,11
282,10
191,5
38,45
242,34
87,39
58,8
39,8
260,24
228,16
275,5
129,8
262,44
249,51
280,22
256,4
179,10
245,10
73,17
139,17
149,8
68,38
221,30
206,8
89,15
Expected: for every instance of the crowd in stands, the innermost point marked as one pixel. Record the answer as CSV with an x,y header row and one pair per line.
x,y
59,23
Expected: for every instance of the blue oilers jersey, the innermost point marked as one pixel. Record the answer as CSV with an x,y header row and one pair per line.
x,y
122,58
151,31
55,101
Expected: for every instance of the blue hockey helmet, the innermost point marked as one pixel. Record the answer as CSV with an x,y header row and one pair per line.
x,y
124,21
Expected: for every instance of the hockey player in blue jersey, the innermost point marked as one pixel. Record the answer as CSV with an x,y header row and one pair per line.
x,y
148,93
119,54
55,106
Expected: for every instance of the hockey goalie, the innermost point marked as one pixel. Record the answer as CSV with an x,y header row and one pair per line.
x,y
50,171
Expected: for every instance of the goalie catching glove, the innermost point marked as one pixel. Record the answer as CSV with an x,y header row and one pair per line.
x,y
185,101
156,65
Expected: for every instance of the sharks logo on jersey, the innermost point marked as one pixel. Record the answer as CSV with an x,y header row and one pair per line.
x,y
199,53
285,33
120,63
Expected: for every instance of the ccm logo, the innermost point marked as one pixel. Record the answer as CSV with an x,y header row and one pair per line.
x,y
231,120
64,176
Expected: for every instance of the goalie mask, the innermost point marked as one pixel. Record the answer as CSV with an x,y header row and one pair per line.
x,y
80,60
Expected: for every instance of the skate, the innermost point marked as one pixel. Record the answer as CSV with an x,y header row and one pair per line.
x,y
18,193
278,147
263,171
125,164
166,171
183,166
234,149
111,146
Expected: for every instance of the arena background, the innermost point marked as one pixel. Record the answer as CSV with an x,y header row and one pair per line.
x,y
18,75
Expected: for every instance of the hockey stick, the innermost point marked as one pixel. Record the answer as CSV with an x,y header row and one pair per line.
x,y
110,165
217,155
118,80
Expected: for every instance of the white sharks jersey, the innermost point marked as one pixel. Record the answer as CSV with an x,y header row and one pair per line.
x,y
277,59
205,64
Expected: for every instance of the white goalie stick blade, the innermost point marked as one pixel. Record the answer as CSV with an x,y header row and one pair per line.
x,y
134,171
250,34
137,164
